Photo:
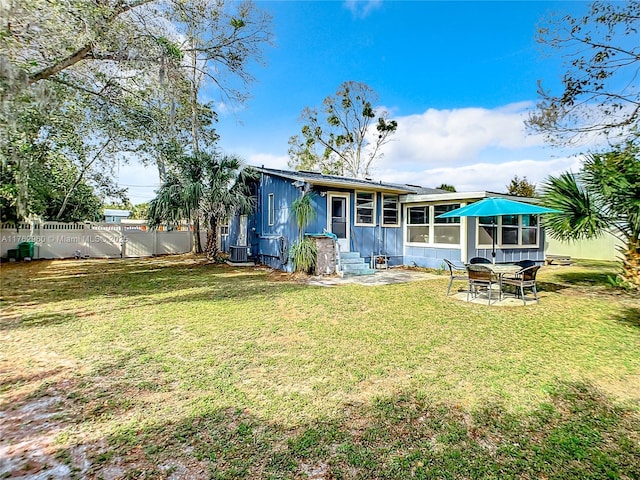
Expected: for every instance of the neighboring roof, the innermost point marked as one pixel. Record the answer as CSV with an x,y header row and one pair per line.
x,y
112,212
439,195
429,191
316,178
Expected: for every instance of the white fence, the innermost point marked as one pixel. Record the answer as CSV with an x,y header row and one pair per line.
x,y
95,240
605,247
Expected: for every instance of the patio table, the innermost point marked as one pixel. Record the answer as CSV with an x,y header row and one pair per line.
x,y
501,269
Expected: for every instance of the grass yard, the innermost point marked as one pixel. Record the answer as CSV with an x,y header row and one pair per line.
x,y
174,368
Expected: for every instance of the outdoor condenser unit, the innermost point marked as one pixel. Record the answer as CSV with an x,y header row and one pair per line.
x,y
238,254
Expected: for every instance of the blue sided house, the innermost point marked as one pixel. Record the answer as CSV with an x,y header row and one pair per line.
x,y
371,219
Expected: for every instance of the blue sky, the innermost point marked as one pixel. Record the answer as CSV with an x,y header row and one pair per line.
x,y
459,77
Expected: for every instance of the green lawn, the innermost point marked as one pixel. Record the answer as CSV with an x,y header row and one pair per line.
x,y
172,368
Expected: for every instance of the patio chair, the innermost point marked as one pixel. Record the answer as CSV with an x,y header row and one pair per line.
x,y
479,260
480,277
525,278
452,273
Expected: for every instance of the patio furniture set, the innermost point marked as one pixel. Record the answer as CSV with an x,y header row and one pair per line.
x,y
482,274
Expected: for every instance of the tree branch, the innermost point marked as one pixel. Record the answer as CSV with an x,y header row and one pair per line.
x,y
83,52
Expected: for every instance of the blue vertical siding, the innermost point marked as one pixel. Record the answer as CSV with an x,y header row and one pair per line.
x,y
430,257
269,244
503,255
376,240
273,241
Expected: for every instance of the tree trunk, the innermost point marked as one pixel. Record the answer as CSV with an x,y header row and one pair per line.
x,y
631,262
197,246
212,239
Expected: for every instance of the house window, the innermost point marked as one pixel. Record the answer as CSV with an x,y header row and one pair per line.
x,y
272,210
529,232
418,224
510,231
365,208
424,227
224,230
486,230
390,210
446,230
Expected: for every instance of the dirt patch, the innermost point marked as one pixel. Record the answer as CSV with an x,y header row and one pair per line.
x,y
28,440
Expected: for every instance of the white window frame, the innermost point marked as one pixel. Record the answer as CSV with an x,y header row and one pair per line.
x,y
407,224
431,227
435,225
499,243
397,197
374,209
271,210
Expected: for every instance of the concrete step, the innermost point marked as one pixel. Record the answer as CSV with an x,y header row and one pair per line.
x,y
354,266
351,261
364,271
349,255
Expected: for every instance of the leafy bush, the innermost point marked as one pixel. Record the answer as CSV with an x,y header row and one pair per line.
x,y
304,254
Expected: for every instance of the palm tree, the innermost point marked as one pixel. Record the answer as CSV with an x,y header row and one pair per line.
x,y
605,195
179,197
227,192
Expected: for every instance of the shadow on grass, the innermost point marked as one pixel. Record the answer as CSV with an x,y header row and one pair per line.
x,y
585,279
577,434
629,316
128,284
36,320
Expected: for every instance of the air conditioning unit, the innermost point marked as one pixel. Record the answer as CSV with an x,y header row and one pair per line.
x,y
238,254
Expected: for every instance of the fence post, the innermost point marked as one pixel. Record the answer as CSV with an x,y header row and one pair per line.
x,y
155,241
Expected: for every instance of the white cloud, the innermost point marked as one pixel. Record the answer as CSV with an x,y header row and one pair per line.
x,y
457,137
362,8
474,149
482,176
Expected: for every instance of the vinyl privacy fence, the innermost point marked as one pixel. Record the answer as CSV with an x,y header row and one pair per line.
x,y
94,240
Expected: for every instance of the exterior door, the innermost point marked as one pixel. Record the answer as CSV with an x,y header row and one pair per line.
x,y
338,219
242,233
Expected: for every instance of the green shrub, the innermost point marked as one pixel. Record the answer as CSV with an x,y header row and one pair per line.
x,y
304,254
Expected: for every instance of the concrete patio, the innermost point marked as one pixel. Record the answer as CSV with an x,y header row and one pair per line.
x,y
404,275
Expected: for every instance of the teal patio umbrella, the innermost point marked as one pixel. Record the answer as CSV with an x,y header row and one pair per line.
x,y
493,207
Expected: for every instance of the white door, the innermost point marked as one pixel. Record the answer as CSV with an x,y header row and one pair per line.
x,y
242,234
338,219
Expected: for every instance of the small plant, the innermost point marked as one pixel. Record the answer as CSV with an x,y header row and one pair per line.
x,y
618,282
304,254
304,251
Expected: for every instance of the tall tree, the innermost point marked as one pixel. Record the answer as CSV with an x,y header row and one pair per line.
x,y
208,187
600,93
345,137
228,191
178,198
521,187
605,195
53,187
129,56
